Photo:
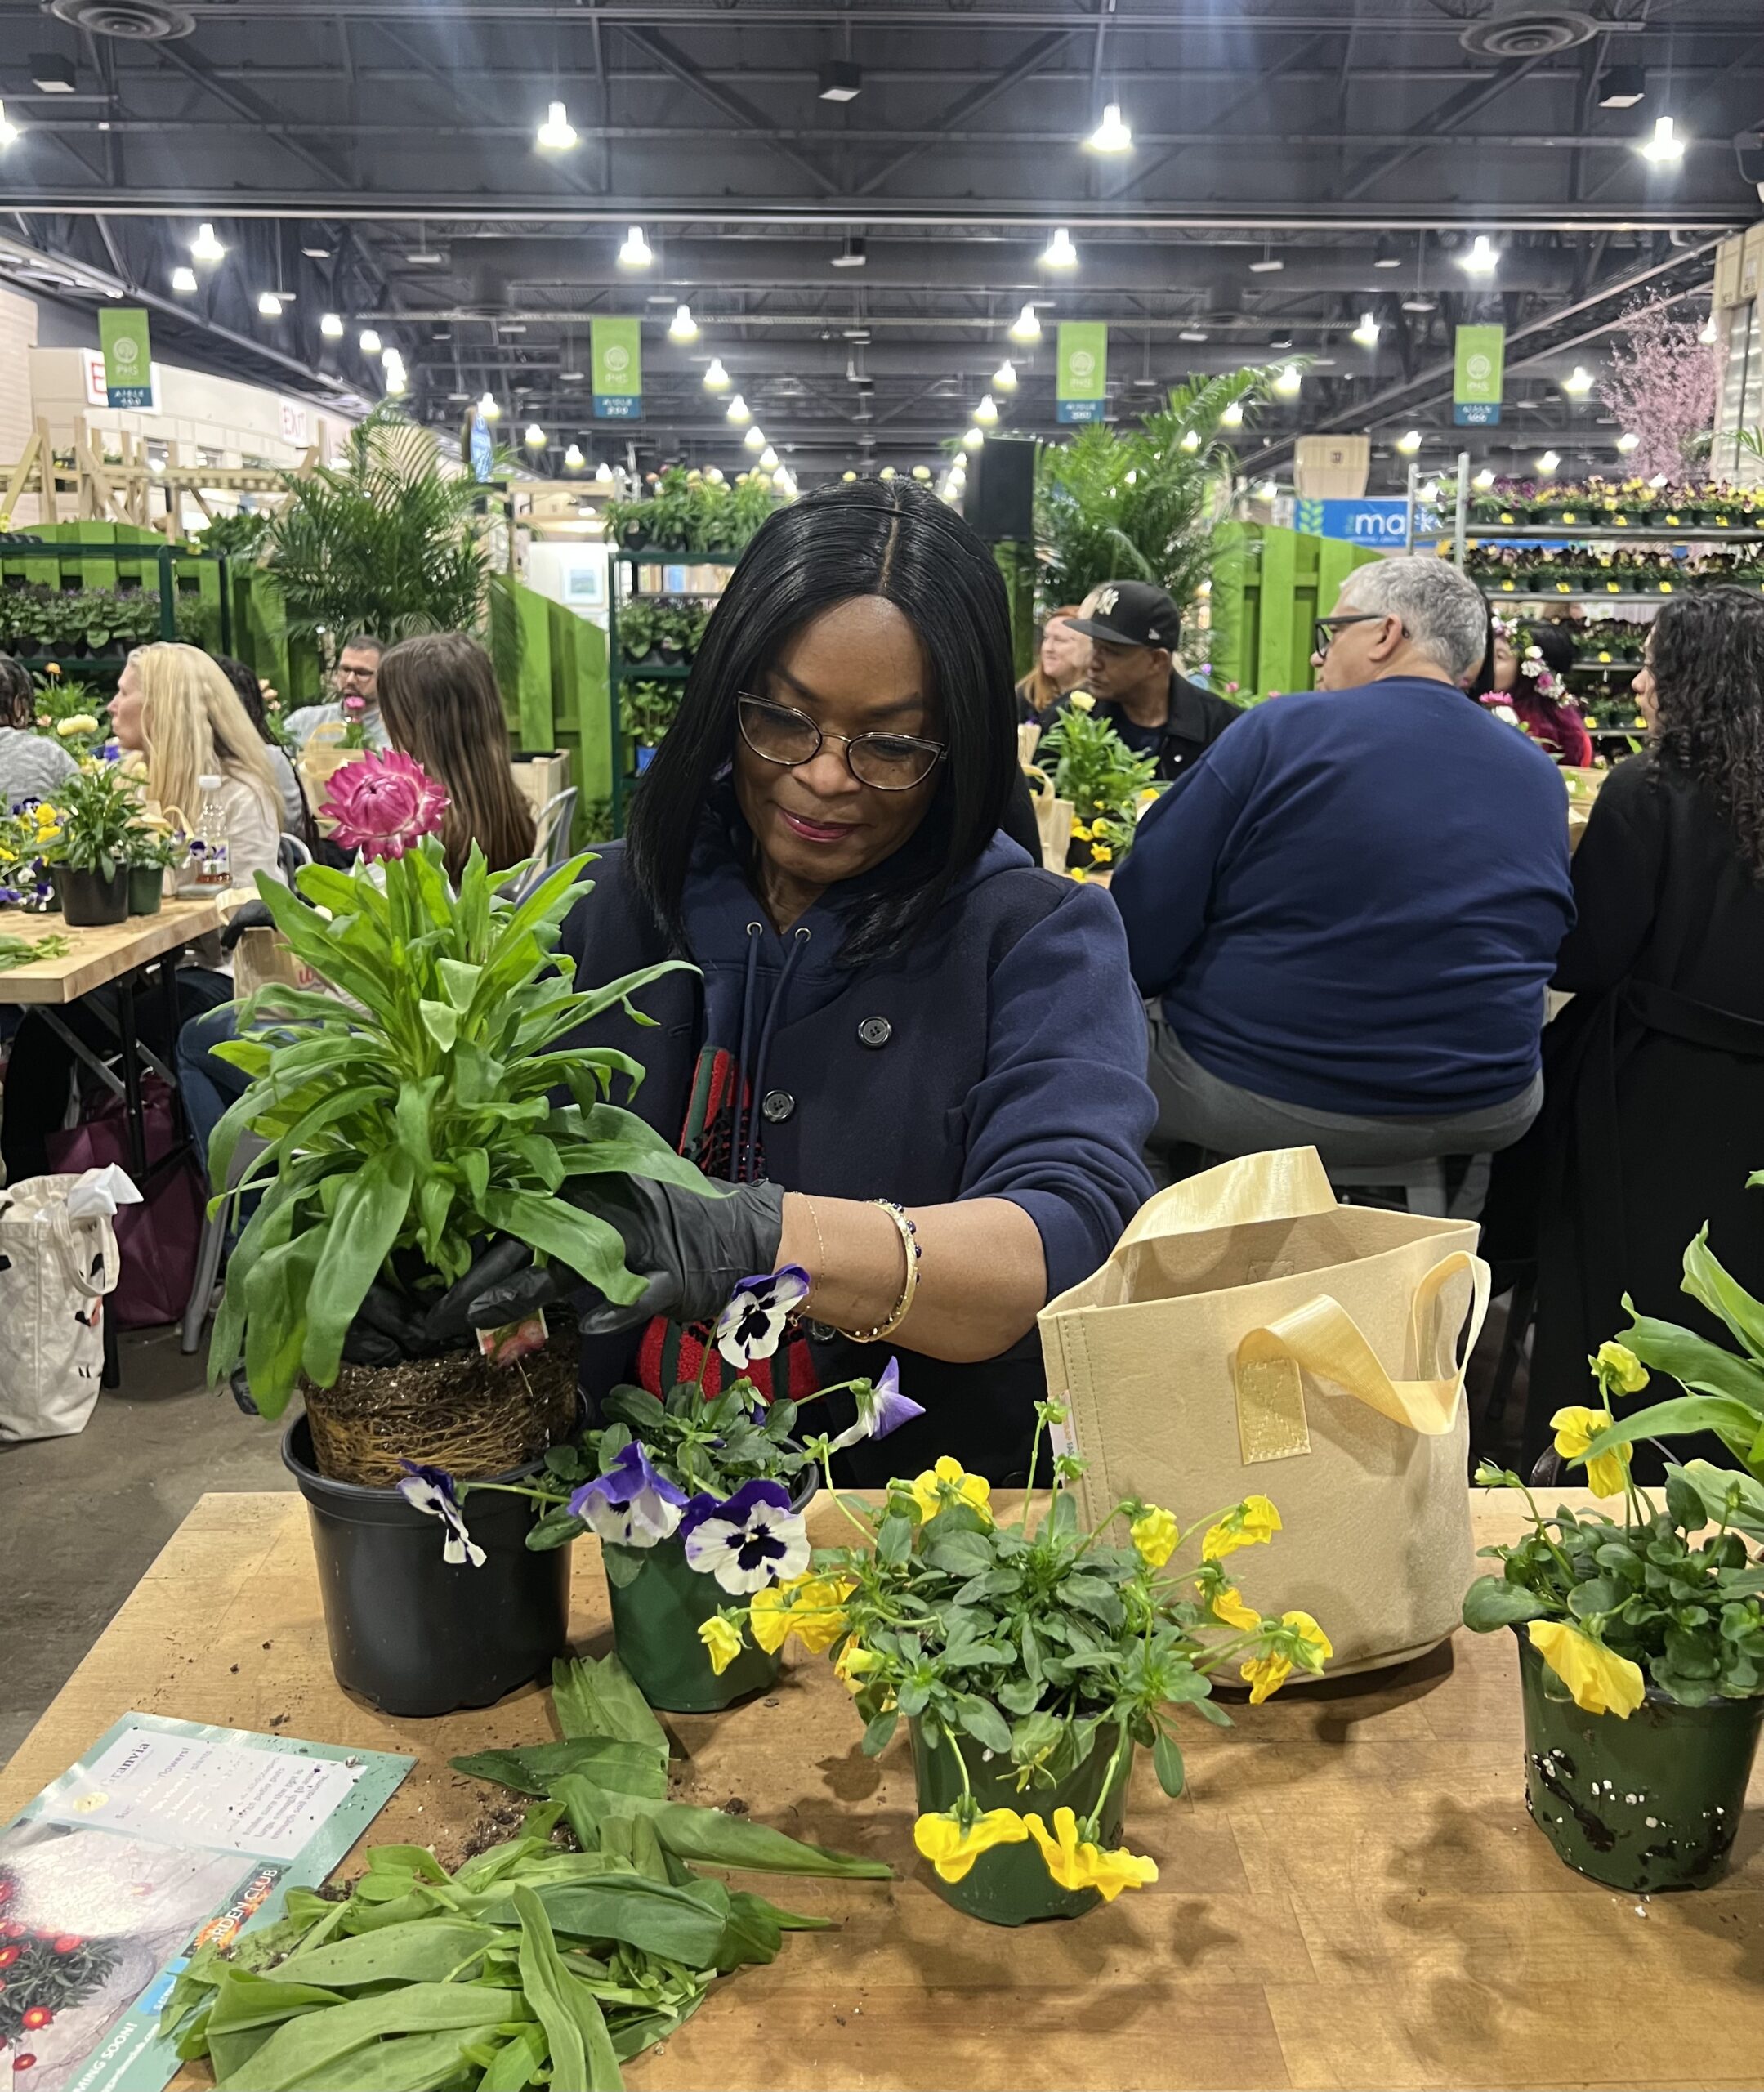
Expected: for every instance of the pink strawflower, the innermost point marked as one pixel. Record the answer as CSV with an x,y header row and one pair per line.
x,y
355,706
383,804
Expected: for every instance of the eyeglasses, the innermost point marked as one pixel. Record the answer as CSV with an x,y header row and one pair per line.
x,y
887,762
1324,631
357,675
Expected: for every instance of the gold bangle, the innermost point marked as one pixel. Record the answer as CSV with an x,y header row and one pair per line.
x,y
904,1306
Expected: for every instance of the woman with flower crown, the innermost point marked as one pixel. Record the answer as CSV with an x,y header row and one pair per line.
x,y
1530,685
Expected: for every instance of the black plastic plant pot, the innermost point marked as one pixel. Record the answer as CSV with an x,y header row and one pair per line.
x,y
415,1634
658,1603
1009,1884
1642,1804
89,900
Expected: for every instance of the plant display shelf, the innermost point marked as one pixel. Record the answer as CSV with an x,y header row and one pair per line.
x,y
1620,600
45,560
627,559
1580,534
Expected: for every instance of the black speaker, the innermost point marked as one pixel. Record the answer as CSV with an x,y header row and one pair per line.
x,y
1001,489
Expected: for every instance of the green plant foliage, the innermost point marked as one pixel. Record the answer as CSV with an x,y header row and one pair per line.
x,y
1130,504
102,821
418,1117
693,512
387,542
242,537
1095,769
647,709
537,1961
36,619
63,705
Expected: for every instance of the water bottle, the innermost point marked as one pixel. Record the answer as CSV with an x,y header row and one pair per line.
x,y
208,845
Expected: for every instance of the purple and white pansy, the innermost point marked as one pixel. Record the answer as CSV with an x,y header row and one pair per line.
x,y
751,1326
632,1502
432,1490
881,1408
750,1540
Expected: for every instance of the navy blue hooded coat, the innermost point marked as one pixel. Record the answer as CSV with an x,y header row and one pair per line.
x,y
1001,1055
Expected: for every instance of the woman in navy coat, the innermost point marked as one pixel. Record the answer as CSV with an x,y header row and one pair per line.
x,y
903,1040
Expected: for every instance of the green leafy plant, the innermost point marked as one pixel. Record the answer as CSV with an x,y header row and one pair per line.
x,y
35,619
100,808
70,711
1120,504
556,1956
647,709
637,631
386,541
692,512
419,1119
1104,779
242,537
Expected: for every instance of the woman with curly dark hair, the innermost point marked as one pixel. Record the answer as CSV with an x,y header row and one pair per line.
x,y
1654,1074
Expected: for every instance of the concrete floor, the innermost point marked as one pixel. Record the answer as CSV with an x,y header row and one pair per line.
x,y
81,1518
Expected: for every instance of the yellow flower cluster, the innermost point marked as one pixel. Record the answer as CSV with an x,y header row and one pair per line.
x,y
809,1606
1253,1522
1602,1682
1154,1534
949,1483
1306,1645
1575,1429
79,723
952,1846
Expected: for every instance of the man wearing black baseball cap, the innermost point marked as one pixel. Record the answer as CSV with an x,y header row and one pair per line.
x,y
1133,627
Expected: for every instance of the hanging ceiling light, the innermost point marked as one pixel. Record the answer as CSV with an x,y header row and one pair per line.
x,y
782,480
1269,264
1548,462
1483,479
1289,381
331,326
1709,332
715,377
556,134
769,458
1410,442
1004,377
635,253
1429,494
739,411
603,474
488,407
573,460
395,385
755,438
1415,303
8,129
205,247
1026,327
1577,383
535,437
1233,416
370,341
1190,442
1665,148
1112,135
1628,441
1480,258
986,413
974,438
1268,490
1060,252
682,327
1367,331
183,279
1386,254
269,305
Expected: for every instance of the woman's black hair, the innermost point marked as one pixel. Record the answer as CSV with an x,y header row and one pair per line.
x,y
250,690
18,694
888,538
1555,643
1707,656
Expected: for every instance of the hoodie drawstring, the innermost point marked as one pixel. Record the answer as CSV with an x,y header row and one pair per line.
x,y
747,1152
755,935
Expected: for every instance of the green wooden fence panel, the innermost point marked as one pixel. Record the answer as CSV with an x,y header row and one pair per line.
x,y
1269,586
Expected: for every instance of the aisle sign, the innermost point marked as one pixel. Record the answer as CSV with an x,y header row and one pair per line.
x,y
127,355
616,351
1084,369
1476,378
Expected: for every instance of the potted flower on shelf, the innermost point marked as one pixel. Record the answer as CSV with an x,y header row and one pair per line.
x,y
404,1129
700,1498
1030,1661
1641,1657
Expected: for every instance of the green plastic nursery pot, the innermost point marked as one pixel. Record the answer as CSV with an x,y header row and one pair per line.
x,y
1644,1804
146,889
1010,1885
88,899
658,1603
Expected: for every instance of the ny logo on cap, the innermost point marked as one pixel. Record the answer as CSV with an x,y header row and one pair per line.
x,y
1106,600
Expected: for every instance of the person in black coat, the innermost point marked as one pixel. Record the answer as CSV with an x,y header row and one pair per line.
x,y
1653,1112
1133,627
913,1060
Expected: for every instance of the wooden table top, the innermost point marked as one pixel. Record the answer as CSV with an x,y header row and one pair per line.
x,y
102,954
1350,1893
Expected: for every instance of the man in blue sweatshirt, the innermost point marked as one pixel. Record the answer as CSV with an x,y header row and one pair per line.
x,y
1344,917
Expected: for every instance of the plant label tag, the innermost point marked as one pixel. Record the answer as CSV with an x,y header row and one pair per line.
x,y
514,1340
1063,1439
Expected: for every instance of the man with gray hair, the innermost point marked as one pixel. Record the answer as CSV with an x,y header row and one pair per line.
x,y
1344,916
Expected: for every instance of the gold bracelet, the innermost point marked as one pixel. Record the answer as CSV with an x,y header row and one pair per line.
x,y
904,1306
820,1246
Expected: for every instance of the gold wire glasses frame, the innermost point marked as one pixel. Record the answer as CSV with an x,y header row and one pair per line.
x,y
781,734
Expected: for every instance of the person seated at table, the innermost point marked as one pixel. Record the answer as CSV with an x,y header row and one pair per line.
x,y
1133,627
1344,915
296,819
31,765
354,683
1062,661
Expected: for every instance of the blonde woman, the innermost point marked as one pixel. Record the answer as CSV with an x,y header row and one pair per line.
x,y
177,711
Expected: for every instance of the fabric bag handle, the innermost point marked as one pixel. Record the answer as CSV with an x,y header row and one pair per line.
x,y
1286,1183
1323,1338
75,1244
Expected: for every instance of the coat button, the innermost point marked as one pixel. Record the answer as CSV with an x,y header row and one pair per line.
x,y
875,1031
777,1105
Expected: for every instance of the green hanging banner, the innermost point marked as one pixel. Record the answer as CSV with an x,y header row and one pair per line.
x,y
616,351
1084,369
127,355
1479,366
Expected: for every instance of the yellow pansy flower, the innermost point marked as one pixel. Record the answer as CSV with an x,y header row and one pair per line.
x,y
1255,1519
1101,854
1617,1363
1267,1673
811,1607
953,1849
853,1664
1080,833
1575,1429
1602,1682
1076,1864
722,1639
1154,1534
45,815
947,1483
1231,1607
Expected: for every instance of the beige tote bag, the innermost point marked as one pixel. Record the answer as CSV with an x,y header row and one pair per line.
x,y
1250,1336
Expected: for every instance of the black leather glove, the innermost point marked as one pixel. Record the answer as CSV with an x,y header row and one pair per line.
x,y
252,916
690,1250
389,1328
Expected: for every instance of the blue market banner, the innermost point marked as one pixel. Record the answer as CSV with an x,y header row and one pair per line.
x,y
1381,522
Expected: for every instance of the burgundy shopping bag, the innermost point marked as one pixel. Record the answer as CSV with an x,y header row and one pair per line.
x,y
159,1239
